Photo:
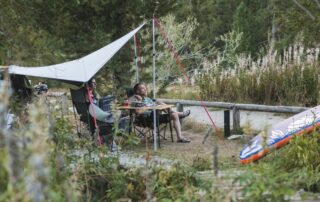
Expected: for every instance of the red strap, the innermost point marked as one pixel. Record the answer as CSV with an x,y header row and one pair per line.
x,y
176,56
136,43
94,114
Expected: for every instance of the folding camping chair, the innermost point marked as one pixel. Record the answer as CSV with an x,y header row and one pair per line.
x,y
88,111
144,127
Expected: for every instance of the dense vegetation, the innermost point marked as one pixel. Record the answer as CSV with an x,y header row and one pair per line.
x,y
204,33
42,159
233,50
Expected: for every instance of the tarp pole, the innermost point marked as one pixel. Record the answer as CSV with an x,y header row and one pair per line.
x,y
136,58
154,86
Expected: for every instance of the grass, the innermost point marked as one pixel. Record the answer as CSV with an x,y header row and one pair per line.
x,y
193,126
129,183
105,180
181,91
196,154
289,78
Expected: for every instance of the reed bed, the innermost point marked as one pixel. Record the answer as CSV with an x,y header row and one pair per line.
x,y
286,78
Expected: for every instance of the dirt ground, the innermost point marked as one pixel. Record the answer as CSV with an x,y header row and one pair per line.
x,y
201,146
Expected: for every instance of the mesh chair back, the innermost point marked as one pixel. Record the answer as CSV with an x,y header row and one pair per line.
x,y
79,101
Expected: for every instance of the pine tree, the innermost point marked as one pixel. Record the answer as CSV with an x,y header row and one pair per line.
x,y
253,19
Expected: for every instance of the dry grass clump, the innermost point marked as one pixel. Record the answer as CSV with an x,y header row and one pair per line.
x,y
194,126
247,129
181,91
37,172
287,78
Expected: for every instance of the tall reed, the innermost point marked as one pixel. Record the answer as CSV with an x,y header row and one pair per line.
x,y
287,78
8,149
31,169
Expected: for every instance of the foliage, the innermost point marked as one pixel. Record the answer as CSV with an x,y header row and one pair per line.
x,y
96,176
293,19
229,54
307,157
260,22
301,159
4,178
38,159
62,133
105,180
273,79
180,91
292,168
174,41
264,183
36,33
54,171
201,164
214,18
252,18
5,154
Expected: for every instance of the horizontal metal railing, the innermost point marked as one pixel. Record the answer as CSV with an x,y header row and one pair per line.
x,y
235,108
228,105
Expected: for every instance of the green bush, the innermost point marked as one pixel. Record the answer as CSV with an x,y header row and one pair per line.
x,y
301,159
282,173
4,178
201,164
265,183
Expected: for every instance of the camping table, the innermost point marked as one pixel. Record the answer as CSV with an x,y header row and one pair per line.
x,y
157,108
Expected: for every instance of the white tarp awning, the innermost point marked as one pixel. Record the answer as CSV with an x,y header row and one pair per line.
x,y
79,70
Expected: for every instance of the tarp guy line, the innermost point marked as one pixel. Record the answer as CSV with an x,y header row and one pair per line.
x,y
176,56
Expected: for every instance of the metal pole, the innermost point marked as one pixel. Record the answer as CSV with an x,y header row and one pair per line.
x,y
226,123
136,58
154,87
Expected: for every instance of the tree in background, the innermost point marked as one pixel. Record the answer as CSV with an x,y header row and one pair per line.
x,y
296,18
37,32
21,42
34,33
181,39
260,22
214,18
253,20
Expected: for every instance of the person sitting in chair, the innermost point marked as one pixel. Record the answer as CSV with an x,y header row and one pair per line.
x,y
93,92
140,95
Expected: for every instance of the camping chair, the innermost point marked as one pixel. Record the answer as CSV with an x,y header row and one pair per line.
x,y
89,111
145,127
22,88
81,105
104,121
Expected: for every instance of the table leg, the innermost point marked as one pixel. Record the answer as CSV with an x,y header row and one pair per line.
x,y
170,125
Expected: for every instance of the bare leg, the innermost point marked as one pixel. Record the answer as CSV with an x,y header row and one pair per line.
x,y
176,124
180,114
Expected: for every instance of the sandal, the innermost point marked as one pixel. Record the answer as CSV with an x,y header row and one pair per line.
x,y
185,114
182,140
